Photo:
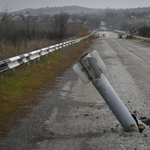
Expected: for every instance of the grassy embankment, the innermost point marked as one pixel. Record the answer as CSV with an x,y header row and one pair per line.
x,y
19,90
141,41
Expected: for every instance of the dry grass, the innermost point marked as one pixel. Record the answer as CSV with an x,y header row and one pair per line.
x,y
141,41
19,89
8,50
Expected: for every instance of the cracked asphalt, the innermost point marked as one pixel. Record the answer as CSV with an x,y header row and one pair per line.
x,y
73,116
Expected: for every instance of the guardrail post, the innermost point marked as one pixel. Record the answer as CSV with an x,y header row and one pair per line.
x,y
90,67
28,63
14,69
34,61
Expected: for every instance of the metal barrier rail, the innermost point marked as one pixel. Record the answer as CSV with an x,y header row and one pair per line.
x,y
119,32
137,37
13,62
142,38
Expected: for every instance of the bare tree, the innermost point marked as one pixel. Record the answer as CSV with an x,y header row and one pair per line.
x,y
6,30
27,21
60,24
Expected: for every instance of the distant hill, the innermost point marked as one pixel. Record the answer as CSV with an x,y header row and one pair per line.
x,y
55,10
74,9
139,9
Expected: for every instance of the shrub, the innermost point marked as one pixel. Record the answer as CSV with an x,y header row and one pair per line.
x,y
144,31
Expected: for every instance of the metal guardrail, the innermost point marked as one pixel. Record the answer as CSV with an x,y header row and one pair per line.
x,y
142,38
119,32
13,62
125,33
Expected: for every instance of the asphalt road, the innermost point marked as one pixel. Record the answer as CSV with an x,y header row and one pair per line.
x,y
73,116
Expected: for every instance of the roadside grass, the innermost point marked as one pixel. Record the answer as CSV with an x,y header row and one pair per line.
x,y
20,90
141,41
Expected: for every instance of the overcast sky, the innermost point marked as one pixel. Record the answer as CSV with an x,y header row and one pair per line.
x,y
14,5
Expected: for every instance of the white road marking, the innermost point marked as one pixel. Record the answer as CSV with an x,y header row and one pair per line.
x,y
52,117
131,53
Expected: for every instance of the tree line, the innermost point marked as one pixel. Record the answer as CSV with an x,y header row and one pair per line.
x,y
23,33
126,19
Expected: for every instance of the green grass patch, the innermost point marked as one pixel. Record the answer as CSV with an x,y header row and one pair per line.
x,y
19,90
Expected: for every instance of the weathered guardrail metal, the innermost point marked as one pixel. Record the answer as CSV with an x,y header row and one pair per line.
x,y
120,33
142,38
13,62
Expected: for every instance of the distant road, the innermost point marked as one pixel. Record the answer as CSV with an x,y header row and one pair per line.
x,y
103,26
73,116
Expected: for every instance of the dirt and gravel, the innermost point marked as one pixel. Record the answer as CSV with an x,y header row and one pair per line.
x,y
73,116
